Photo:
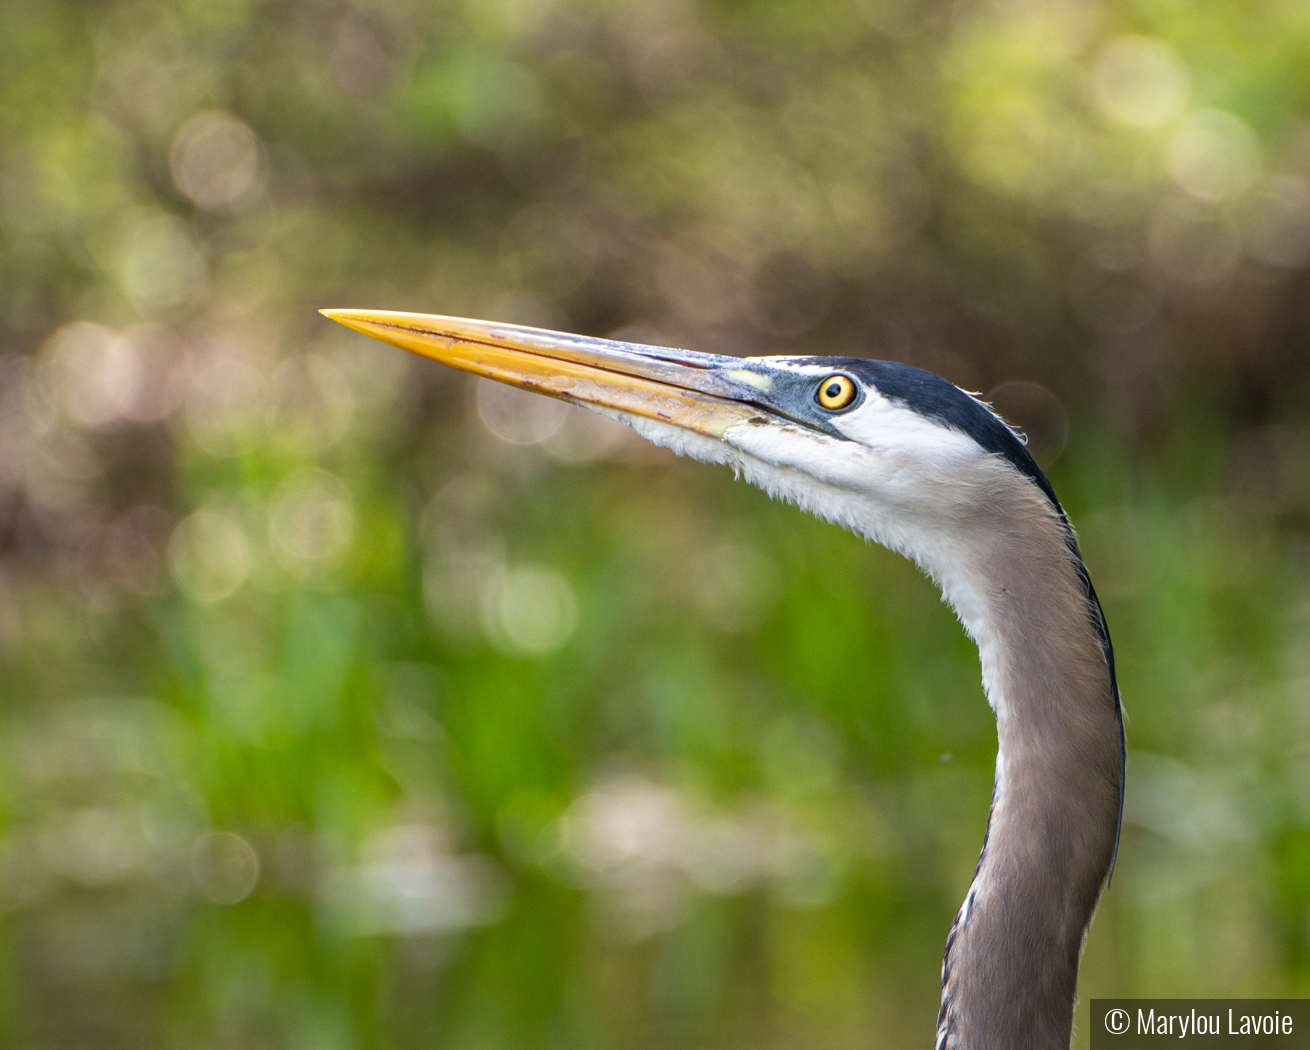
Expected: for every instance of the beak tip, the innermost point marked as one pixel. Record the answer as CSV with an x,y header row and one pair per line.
x,y
358,320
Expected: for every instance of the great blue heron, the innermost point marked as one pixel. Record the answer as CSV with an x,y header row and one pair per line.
x,y
903,458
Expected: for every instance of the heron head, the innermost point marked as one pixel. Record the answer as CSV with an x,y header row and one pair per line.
x,y
878,446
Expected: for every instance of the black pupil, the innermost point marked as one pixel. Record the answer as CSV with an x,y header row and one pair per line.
x,y
834,390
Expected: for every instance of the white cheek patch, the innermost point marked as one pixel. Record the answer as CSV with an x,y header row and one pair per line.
x,y
882,423
893,457
898,477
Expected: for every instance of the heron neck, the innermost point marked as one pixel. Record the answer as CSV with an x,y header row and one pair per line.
x,y
1010,971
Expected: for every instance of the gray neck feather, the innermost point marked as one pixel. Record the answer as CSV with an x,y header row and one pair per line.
x,y
1010,971
996,545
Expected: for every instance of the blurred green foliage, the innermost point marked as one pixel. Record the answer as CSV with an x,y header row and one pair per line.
x,y
349,704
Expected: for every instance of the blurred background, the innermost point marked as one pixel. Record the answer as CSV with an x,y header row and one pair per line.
x,y
348,703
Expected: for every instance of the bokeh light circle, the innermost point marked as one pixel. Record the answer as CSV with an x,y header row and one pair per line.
x,y
215,159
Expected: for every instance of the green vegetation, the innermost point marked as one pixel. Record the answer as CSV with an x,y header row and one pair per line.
x,y
348,704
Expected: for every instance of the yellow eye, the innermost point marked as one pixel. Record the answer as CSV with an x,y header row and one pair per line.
x,y
836,392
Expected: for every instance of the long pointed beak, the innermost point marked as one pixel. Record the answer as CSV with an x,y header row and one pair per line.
x,y
704,393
